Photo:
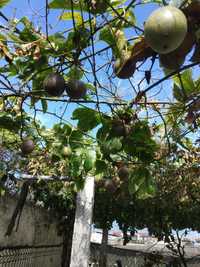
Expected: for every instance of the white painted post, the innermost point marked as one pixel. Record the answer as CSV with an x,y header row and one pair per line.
x,y
82,226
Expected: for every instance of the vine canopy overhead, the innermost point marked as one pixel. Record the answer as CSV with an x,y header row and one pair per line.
x,y
102,88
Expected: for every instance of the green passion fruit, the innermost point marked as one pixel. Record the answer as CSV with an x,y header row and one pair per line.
x,y
165,29
66,151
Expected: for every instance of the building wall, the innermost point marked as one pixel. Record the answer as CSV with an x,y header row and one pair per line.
x,y
130,257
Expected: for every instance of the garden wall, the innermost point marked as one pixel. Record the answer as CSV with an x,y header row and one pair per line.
x,y
34,243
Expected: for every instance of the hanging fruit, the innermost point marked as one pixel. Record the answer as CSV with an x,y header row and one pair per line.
x,y
165,29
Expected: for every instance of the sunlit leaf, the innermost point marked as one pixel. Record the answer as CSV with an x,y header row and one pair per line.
x,y
89,162
87,118
115,38
178,93
186,83
4,2
76,16
66,4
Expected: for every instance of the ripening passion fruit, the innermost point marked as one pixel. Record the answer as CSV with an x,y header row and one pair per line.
x,y
98,6
27,146
118,128
54,84
110,185
165,29
123,173
171,62
176,58
76,89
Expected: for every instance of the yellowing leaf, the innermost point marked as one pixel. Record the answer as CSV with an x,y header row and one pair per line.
x,y
5,52
4,2
76,15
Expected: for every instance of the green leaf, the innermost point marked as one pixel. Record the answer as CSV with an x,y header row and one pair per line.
x,y
78,5
101,166
141,183
75,73
139,142
14,38
129,17
111,146
66,4
185,83
75,139
9,123
28,34
4,2
103,133
2,37
67,129
58,41
78,39
115,38
90,86
76,163
178,93
57,4
62,131
87,118
37,82
89,162
44,105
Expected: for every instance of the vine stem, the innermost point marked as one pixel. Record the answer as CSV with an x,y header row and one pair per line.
x,y
171,75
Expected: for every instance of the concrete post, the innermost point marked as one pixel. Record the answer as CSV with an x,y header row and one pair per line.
x,y
82,226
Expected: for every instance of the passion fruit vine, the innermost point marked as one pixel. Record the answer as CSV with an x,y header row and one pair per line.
x,y
27,146
165,29
76,89
54,84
